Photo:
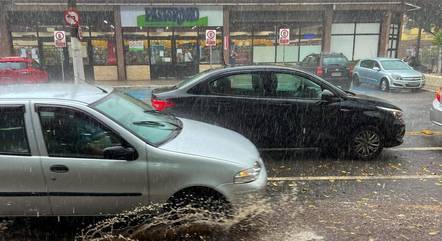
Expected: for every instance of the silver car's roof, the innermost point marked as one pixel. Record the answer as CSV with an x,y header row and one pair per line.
x,y
85,93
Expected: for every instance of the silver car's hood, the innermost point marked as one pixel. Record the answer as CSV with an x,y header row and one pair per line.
x,y
201,139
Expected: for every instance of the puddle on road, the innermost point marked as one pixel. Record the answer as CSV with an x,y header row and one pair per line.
x,y
273,218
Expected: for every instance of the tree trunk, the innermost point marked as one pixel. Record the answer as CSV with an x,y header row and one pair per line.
x,y
439,61
418,45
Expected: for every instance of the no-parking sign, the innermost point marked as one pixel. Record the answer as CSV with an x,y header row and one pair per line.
x,y
60,39
211,38
284,36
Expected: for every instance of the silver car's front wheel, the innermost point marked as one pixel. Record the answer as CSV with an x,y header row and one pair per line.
x,y
366,144
384,85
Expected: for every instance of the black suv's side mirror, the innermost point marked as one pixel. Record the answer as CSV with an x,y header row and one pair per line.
x,y
120,153
328,96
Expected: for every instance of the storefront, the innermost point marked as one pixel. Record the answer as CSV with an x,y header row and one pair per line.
x,y
141,41
169,42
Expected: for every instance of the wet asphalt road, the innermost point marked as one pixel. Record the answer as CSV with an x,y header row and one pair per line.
x,y
395,197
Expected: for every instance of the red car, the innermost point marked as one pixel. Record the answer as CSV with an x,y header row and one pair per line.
x,y
21,70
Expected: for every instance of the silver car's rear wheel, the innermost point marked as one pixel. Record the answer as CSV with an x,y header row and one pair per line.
x,y
366,144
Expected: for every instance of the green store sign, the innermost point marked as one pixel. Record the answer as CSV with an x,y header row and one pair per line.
x,y
176,16
172,17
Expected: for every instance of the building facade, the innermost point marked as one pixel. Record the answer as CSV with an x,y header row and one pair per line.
x,y
142,40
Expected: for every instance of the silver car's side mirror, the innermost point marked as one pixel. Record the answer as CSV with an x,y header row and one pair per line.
x,y
376,69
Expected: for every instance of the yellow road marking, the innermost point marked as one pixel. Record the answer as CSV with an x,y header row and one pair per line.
x,y
327,178
423,133
435,148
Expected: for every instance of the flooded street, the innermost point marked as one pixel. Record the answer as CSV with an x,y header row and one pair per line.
x,y
398,196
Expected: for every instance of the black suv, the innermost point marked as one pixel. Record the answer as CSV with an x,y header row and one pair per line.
x,y
333,67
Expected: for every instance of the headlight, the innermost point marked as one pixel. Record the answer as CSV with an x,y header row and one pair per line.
x,y
396,77
248,175
395,112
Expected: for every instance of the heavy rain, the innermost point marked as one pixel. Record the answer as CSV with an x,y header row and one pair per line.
x,y
220,120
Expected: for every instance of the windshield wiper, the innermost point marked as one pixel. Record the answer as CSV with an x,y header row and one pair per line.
x,y
157,124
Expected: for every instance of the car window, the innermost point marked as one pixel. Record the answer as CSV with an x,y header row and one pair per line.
x,y
376,64
295,86
395,65
71,133
12,65
248,84
13,139
335,60
366,64
139,118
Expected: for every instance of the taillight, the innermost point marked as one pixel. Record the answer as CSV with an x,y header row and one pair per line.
x,y
319,71
438,94
161,105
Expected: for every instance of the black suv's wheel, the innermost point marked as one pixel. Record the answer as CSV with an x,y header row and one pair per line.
x,y
355,80
366,144
384,85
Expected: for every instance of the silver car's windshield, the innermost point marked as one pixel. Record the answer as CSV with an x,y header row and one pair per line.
x,y
153,127
394,65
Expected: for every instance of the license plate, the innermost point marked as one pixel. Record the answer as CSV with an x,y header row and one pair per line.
x,y
336,74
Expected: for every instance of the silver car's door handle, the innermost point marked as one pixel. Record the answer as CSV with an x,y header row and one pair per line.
x,y
59,169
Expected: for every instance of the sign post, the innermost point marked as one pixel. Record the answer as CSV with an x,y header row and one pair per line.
x,y
72,19
210,41
60,43
284,39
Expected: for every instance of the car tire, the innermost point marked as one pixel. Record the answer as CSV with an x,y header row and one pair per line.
x,y
366,143
384,85
355,81
208,206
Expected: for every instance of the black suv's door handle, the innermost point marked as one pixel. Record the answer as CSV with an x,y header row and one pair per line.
x,y
59,168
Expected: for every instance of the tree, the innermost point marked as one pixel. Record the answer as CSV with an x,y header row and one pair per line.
x,y
428,17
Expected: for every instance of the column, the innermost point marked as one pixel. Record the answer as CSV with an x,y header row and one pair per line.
x,y
385,34
5,37
119,44
226,34
327,28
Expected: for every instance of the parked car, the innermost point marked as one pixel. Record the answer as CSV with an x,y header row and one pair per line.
x,y
333,67
436,109
21,70
281,107
387,74
82,150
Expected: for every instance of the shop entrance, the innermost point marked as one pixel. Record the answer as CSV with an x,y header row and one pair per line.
x,y
174,56
58,61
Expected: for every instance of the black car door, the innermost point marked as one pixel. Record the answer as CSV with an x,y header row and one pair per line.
x,y
235,100
303,118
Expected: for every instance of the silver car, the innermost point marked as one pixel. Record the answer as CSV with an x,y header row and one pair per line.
x,y
69,150
387,74
436,109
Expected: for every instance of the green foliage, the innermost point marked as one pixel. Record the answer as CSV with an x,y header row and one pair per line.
x,y
438,39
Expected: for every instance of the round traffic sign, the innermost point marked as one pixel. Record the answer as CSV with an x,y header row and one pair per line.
x,y
211,34
59,35
72,17
284,33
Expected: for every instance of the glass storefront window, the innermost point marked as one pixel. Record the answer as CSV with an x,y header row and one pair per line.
x,y
103,52
264,46
217,51
161,50
136,52
241,46
310,40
